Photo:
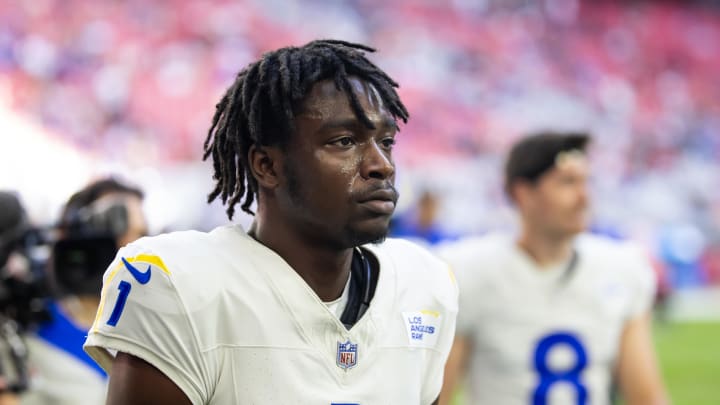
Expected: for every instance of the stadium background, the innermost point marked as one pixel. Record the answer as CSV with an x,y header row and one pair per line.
x,y
128,88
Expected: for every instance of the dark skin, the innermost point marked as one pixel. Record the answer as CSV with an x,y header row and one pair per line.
x,y
135,381
325,192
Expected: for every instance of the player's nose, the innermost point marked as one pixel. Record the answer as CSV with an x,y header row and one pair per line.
x,y
376,163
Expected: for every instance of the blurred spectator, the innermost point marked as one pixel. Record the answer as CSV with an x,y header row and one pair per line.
x,y
13,224
95,222
421,221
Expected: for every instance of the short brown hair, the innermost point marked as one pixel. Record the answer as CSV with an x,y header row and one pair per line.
x,y
536,154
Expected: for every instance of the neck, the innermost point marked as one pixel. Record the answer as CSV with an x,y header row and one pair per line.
x,y
544,250
324,269
81,309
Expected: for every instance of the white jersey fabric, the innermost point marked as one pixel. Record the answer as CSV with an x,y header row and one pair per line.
x,y
337,306
545,336
230,322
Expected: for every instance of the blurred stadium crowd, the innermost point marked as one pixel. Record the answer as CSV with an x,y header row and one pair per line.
x,y
136,81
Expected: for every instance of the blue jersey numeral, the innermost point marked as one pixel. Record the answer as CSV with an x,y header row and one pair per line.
x,y
549,377
124,288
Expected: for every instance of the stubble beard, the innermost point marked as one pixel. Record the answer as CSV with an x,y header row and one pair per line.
x,y
349,237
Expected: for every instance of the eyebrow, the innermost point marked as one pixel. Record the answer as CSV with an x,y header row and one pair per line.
x,y
354,122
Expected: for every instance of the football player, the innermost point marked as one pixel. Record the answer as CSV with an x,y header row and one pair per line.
x,y
550,316
309,305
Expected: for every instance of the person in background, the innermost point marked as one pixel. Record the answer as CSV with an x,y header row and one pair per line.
x,y
95,222
13,265
552,315
420,223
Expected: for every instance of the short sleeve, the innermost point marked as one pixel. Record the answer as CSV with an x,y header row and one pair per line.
x,y
141,313
642,280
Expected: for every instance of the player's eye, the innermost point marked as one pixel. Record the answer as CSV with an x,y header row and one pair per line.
x,y
569,180
388,142
344,141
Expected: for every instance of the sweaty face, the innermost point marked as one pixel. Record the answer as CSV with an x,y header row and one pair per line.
x,y
339,174
558,203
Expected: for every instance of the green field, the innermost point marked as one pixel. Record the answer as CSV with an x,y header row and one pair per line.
x,y
690,359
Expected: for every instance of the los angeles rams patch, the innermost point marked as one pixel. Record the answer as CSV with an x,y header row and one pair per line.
x,y
423,327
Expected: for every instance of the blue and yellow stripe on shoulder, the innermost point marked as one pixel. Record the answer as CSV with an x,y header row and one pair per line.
x,y
153,260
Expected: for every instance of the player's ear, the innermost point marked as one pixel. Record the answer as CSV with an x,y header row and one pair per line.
x,y
519,191
264,163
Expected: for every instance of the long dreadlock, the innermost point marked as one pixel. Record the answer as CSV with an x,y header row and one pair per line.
x,y
257,109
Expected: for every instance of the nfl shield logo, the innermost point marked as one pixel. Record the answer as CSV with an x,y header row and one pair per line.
x,y
346,355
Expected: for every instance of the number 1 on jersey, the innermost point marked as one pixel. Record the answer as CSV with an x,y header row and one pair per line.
x,y
124,288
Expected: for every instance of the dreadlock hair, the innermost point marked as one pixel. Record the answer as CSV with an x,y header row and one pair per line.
x,y
258,108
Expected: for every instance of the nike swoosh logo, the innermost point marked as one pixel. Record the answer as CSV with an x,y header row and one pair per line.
x,y
141,277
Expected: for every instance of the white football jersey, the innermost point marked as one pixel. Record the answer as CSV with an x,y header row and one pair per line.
x,y
230,322
546,336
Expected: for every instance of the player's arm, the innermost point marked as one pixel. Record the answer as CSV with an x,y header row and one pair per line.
x,y
637,371
135,381
455,368
141,312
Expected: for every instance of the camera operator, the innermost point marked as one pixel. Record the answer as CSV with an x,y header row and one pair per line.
x,y
14,302
95,222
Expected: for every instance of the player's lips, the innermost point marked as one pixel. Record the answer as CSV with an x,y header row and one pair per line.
x,y
381,201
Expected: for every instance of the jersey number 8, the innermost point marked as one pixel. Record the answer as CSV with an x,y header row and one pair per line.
x,y
548,377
